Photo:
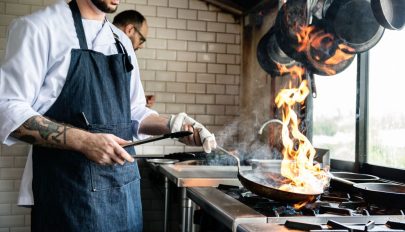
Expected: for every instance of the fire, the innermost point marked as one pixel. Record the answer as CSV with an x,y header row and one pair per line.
x,y
298,153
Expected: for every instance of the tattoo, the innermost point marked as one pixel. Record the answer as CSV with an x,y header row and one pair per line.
x,y
40,130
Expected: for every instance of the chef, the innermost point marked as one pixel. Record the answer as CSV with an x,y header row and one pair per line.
x,y
70,86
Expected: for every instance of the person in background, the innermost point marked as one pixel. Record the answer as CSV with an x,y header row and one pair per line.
x,y
134,25
78,100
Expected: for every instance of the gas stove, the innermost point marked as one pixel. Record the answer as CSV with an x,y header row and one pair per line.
x,y
240,210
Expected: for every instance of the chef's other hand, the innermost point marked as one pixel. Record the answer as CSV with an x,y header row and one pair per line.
x,y
182,121
105,149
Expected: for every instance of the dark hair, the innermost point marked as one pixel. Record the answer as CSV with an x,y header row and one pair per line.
x,y
129,17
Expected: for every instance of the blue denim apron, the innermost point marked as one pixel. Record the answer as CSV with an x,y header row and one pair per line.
x,y
72,193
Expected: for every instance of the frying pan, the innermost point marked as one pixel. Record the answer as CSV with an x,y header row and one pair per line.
x,y
262,183
389,13
384,194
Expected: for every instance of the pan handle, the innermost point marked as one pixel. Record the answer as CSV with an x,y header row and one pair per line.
x,y
229,153
341,180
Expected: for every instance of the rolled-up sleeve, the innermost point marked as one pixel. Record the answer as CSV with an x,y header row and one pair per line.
x,y
21,76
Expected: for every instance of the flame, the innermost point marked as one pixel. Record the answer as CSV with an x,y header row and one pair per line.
x,y
295,71
298,153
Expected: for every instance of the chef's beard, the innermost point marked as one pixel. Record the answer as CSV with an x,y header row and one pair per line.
x,y
101,5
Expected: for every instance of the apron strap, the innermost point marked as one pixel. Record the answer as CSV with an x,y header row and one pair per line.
x,y
77,18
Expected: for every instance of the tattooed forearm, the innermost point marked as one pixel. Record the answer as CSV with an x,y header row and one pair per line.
x,y
40,130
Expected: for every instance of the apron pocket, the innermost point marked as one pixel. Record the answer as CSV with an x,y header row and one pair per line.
x,y
104,177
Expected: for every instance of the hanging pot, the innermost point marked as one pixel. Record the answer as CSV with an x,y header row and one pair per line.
x,y
270,55
389,13
354,23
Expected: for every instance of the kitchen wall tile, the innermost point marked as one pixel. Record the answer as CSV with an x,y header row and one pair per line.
x,y
233,69
176,87
187,56
20,229
224,99
5,209
237,39
137,2
195,88
186,35
177,45
233,49
185,98
177,66
207,16
232,110
197,67
206,36
225,59
225,79
178,3
205,99
197,46
166,55
233,28
147,53
175,109
225,38
195,109
152,32
123,7
11,221
148,11
216,27
159,107
156,22
27,219
216,68
232,89
3,32
157,43
19,149
206,57
17,210
196,25
223,120
216,89
2,7
205,119
165,97
6,185
30,2
158,2
205,78
11,173
148,75
6,162
216,47
198,5
165,76
186,77
187,14
17,9
237,59
225,18
19,161
156,86
176,23
5,20
8,197
167,12
165,34
156,64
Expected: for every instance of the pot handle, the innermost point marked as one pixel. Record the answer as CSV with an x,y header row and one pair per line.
x,y
341,180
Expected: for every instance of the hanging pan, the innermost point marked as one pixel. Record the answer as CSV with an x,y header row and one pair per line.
x,y
389,13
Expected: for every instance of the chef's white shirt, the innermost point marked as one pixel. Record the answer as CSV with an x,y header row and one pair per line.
x,y
35,66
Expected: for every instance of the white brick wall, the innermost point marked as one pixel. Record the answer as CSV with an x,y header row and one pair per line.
x,y
191,63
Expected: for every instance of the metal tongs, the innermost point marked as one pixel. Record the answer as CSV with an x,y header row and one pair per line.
x,y
160,137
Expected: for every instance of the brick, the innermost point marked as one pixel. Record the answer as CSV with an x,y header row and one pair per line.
x,y
8,197
207,16
19,149
187,14
233,69
197,67
17,210
176,87
20,229
142,63
237,59
224,99
197,46
152,32
225,59
177,45
205,78
237,39
3,32
177,66
233,49
146,11
165,76
6,185
205,119
206,57
233,28
186,56
225,18
195,109
156,64
216,27
137,2
166,34
157,22
17,9
232,89
205,99
213,8
166,55
155,86
158,2
157,43
186,77
11,173
232,110
175,108
185,98
206,36
30,2
216,68
167,12
196,88
2,8
225,38
11,221
216,89
19,161
165,97
186,35
6,162
5,209
196,25
198,5
176,23
147,53
178,3
216,47
147,75
216,109
222,120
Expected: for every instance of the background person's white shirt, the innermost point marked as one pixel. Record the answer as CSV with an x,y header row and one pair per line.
x,y
35,67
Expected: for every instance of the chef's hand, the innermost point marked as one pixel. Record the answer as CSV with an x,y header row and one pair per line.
x,y
105,149
200,136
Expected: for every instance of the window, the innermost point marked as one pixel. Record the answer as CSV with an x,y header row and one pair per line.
x,y
386,123
334,111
